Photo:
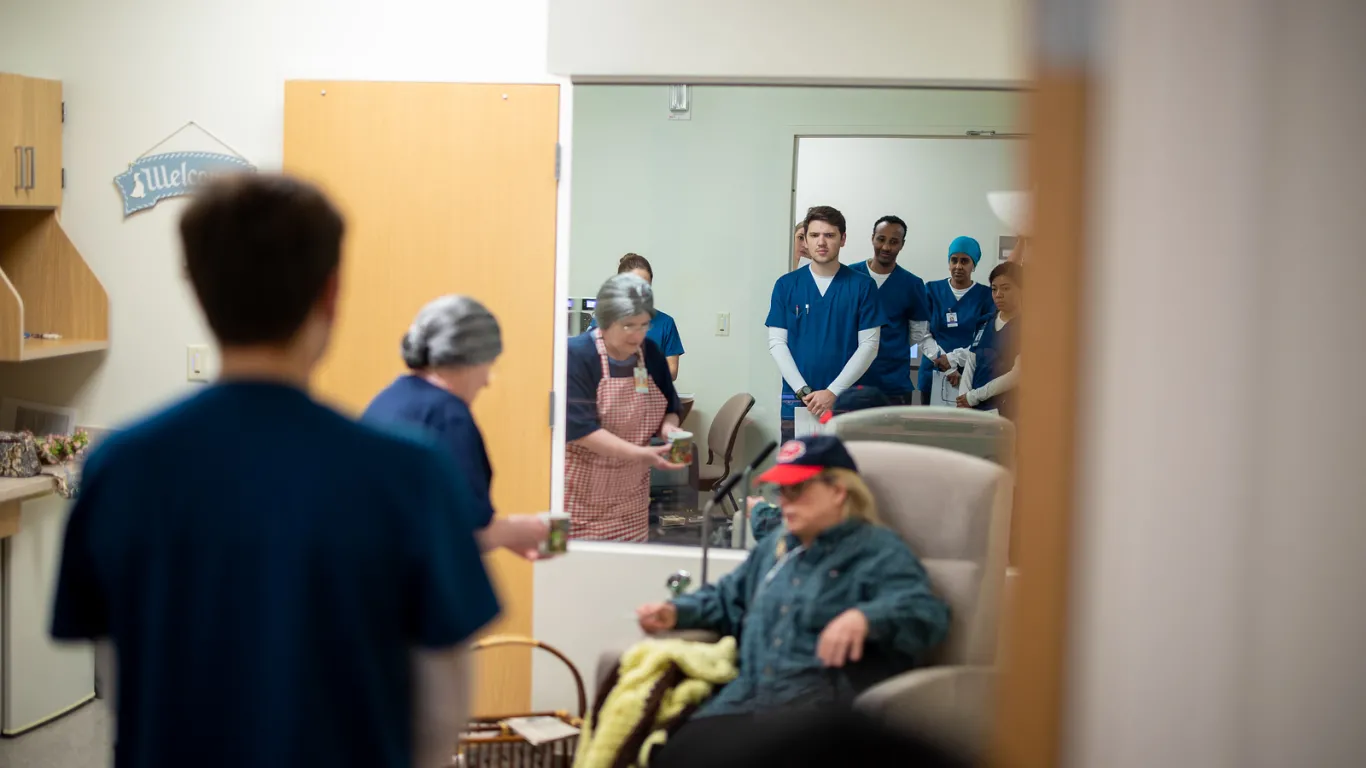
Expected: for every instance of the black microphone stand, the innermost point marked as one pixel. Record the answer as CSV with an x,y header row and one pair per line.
x,y
720,493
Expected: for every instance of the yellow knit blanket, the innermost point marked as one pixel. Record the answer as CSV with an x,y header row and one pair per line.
x,y
704,665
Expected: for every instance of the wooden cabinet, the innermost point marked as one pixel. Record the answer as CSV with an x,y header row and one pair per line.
x,y
46,288
30,142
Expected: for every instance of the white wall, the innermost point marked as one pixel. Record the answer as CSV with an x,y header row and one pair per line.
x,y
709,202
1218,619
928,42
135,71
938,186
586,601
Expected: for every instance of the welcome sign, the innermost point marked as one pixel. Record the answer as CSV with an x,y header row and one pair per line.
x,y
153,178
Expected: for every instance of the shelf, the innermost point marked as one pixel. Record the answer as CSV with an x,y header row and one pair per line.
x,y
46,287
39,349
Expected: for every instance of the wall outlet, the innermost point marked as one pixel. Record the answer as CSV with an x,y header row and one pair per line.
x,y
722,323
197,362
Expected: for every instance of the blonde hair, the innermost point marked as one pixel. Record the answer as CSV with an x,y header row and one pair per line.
x,y
859,503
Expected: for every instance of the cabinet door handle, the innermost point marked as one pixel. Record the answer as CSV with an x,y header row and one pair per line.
x,y
18,168
32,167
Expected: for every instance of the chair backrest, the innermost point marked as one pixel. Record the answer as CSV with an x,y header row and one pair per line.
x,y
965,430
725,427
953,511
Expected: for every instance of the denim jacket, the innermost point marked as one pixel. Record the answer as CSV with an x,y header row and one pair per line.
x,y
779,600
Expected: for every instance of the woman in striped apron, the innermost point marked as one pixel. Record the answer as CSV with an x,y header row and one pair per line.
x,y
620,397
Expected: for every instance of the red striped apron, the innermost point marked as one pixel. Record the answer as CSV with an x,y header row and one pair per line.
x,y
608,498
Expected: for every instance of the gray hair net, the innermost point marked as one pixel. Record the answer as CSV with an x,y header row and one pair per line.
x,y
452,331
622,296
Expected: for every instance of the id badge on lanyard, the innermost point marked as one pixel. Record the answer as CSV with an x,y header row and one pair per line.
x,y
951,319
642,379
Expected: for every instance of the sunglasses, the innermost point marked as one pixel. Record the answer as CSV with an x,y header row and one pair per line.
x,y
795,491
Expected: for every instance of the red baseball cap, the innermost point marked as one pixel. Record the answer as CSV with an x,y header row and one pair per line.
x,y
802,459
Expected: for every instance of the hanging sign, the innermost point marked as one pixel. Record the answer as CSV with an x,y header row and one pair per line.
x,y
153,178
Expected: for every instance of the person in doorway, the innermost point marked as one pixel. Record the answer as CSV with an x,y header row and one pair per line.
x,y
800,256
958,306
262,565
663,330
620,398
906,307
824,322
991,367
824,607
449,350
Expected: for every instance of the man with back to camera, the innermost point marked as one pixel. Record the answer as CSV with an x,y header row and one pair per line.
x,y
281,586
902,294
824,321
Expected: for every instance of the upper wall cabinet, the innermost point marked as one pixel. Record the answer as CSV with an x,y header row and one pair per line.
x,y
30,142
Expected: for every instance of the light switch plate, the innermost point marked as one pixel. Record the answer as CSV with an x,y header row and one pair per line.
x,y
197,363
722,323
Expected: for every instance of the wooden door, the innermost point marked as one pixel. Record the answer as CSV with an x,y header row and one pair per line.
x,y
11,138
43,121
447,188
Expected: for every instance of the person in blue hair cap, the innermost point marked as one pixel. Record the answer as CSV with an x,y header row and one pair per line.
x,y
958,306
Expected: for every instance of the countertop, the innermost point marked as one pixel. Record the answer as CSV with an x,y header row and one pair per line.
x,y
14,491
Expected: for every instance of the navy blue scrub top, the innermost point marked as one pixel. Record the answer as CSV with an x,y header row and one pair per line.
x,y
412,402
996,351
903,300
265,567
585,373
975,307
822,331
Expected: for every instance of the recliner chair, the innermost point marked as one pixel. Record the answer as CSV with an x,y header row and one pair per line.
x,y
953,510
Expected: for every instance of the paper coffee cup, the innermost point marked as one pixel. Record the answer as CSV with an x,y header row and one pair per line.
x,y
680,448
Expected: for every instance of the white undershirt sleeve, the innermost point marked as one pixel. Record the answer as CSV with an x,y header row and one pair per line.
x,y
959,357
777,346
919,330
858,363
1003,383
967,359
929,349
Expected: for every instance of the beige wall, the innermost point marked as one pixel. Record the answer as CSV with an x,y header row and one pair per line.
x,y
929,42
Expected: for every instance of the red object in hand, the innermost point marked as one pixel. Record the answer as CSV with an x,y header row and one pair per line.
x,y
826,416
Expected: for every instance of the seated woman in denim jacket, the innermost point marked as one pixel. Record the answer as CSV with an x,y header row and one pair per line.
x,y
824,607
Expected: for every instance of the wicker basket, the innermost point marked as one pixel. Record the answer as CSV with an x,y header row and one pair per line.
x,y
489,743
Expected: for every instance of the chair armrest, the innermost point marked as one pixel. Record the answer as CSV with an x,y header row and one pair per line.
x,y
953,704
607,661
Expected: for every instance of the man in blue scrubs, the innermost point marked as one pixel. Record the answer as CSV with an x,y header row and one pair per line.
x,y
904,303
281,586
824,322
663,330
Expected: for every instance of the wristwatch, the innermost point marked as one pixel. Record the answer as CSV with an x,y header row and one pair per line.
x,y
803,392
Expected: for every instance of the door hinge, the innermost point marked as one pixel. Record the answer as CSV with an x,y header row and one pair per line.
x,y
63,178
552,409
64,112
558,150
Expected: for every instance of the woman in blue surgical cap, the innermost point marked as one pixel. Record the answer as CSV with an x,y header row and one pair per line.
x,y
958,306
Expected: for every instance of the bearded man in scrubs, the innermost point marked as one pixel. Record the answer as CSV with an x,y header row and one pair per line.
x,y
824,322
904,303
